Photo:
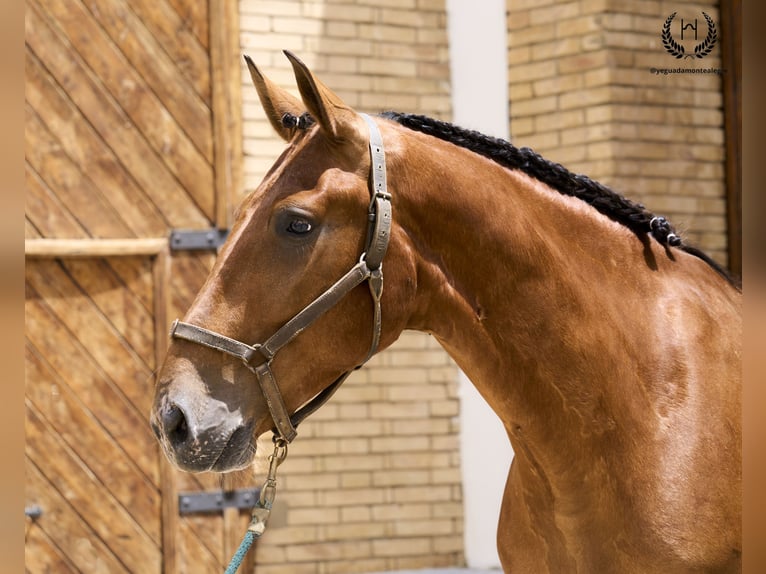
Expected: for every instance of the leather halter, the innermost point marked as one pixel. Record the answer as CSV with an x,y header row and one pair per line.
x,y
258,357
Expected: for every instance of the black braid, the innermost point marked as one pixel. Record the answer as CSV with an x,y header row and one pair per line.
x,y
301,122
632,215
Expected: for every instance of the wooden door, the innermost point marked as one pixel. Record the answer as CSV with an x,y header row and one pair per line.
x,y
132,114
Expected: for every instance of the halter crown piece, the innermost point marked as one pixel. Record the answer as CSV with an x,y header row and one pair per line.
x,y
258,357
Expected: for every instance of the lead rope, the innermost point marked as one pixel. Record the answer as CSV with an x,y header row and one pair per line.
x,y
262,508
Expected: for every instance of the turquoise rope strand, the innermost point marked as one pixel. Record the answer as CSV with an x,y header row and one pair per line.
x,y
239,555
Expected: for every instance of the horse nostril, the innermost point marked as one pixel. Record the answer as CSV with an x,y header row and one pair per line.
x,y
176,427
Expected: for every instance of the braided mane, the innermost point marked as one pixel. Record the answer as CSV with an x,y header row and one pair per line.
x,y
632,215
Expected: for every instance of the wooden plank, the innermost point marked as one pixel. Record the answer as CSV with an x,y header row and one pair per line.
x,y
112,123
94,332
65,528
182,46
149,115
85,147
73,422
41,554
189,273
45,211
227,106
64,177
124,311
61,248
93,386
195,17
73,479
151,63
194,557
30,231
136,275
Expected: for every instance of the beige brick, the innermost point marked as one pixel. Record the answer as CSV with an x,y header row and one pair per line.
x,y
444,408
557,85
302,516
356,514
582,62
409,18
270,7
560,120
353,445
397,512
360,530
298,26
535,71
584,98
341,29
577,26
289,535
448,510
328,551
398,410
449,443
315,481
557,48
391,67
567,155
514,6
520,91
426,426
250,42
353,496
540,141
518,20
534,106
430,528
422,494
519,55
342,428
446,476
400,477
287,569
356,566
394,444
554,13
401,546
451,543
531,35
354,462
416,392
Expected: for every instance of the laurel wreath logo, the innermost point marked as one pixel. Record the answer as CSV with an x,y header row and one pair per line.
x,y
700,50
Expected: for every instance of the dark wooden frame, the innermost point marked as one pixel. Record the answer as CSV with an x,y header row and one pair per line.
x,y
731,62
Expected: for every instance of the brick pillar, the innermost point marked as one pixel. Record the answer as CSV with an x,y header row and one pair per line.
x,y
583,93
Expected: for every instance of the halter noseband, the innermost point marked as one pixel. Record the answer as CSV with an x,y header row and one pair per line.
x,y
258,357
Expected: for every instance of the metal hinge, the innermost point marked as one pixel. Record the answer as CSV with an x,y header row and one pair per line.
x,y
197,239
217,500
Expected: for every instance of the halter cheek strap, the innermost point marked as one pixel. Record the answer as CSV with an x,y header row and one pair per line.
x,y
258,357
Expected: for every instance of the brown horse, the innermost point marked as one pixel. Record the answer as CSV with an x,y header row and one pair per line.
x,y
609,348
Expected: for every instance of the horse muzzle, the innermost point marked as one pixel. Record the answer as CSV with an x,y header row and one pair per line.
x,y
202,435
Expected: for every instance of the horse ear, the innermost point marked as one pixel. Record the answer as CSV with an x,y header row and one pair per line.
x,y
276,102
336,119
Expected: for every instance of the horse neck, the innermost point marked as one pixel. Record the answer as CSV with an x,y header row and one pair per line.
x,y
512,280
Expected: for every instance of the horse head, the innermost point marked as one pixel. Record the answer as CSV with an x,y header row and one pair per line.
x,y
306,229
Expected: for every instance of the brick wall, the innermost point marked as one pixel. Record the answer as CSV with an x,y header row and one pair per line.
x,y
582,94
373,481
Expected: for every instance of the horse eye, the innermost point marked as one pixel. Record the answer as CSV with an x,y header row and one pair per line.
x,y
299,226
